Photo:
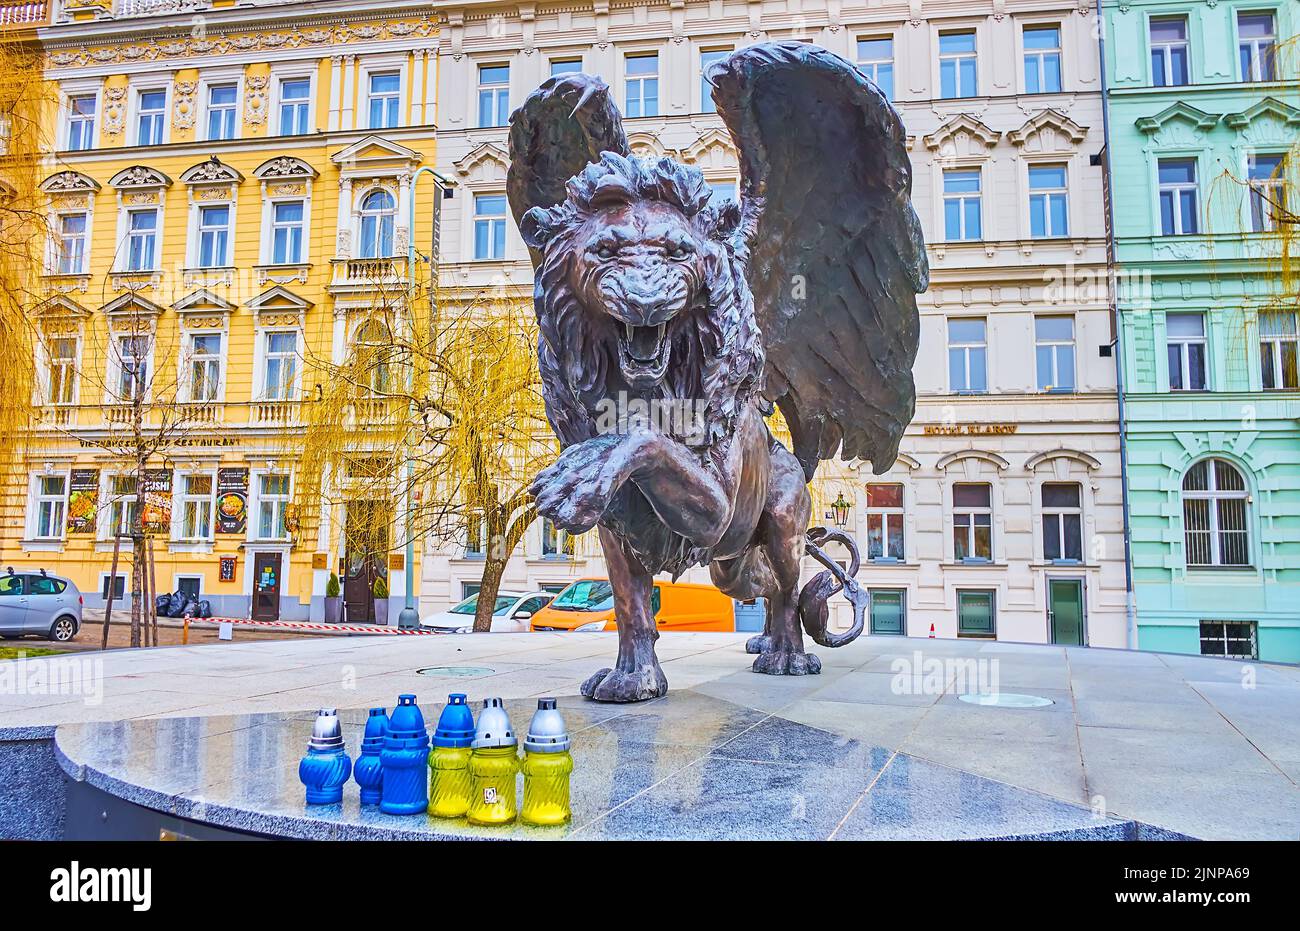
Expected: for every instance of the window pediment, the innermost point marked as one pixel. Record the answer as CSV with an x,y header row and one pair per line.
x,y
279,306
212,171
1060,460
284,168
1267,122
713,149
376,154
962,135
484,163
1178,113
69,182
139,177
1048,131
972,457
202,301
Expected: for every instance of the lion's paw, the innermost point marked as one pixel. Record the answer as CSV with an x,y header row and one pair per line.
x,y
758,644
615,685
788,663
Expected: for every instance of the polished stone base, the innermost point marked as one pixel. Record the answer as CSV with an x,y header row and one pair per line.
x,y
684,767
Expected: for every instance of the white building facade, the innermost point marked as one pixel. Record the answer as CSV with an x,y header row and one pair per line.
x,y
1003,516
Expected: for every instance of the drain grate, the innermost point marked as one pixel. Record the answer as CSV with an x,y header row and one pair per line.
x,y
455,672
1006,700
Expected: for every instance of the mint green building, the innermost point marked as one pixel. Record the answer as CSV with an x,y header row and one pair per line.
x,y
1203,122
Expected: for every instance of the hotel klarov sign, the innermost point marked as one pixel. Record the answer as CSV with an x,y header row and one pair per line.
x,y
970,429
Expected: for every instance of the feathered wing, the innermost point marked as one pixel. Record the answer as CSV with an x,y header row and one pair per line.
x,y
833,250
559,130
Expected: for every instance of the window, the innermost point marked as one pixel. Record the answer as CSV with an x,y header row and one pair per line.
x,y
44,585
385,97
1238,639
272,499
124,506
489,226
1214,515
475,534
142,233
196,507
967,351
378,214
972,522
280,372
556,542
1178,196
72,244
708,58
1169,51
493,95
976,614
1277,349
642,85
132,367
565,66
1054,352
721,190
888,611
118,583
81,122
1268,201
961,205
205,367
190,585
286,232
151,117
1062,522
1042,59
957,61
884,521
295,106
223,101
1257,46
63,369
876,61
1185,339
374,342
1048,202
11,586
51,502
214,236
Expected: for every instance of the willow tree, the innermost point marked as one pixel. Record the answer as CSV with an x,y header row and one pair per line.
x,y
24,95
435,406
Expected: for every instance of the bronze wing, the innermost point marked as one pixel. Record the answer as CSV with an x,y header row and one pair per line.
x,y
833,250
561,128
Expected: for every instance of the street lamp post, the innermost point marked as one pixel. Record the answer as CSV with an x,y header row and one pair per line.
x,y
409,616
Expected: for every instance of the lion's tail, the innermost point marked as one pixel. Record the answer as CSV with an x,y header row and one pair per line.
x,y
813,611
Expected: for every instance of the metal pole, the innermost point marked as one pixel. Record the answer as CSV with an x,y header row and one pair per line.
x,y
112,585
409,616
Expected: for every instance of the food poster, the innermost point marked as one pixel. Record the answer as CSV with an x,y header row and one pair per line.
x,y
157,515
83,500
232,500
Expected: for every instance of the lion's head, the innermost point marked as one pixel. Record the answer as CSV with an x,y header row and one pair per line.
x,y
639,288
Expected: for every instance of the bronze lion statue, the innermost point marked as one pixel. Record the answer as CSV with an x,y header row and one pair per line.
x,y
651,297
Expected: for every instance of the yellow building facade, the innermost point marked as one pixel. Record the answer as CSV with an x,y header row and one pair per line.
x,y
226,190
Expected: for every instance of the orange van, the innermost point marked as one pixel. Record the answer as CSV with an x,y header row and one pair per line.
x,y
588,604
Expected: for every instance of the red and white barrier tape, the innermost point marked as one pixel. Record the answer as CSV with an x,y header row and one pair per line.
x,y
303,625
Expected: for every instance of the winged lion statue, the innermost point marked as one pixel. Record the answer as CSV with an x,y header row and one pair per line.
x,y
651,293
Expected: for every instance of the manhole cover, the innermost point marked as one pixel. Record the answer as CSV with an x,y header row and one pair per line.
x,y
1006,700
460,672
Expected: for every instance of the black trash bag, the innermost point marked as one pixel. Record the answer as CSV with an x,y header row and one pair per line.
x,y
205,608
191,608
162,604
177,608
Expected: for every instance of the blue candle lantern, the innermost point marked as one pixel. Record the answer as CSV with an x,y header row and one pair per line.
x,y
326,766
369,770
405,758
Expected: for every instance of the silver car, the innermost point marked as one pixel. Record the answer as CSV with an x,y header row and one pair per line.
x,y
39,603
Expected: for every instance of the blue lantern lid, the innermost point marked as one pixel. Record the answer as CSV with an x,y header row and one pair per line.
x,y
456,724
407,721
376,724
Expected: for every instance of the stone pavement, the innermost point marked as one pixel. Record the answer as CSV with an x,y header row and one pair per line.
x,y
1198,746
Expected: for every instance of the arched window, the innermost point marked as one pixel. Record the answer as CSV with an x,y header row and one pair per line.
x,y
378,211
1214,515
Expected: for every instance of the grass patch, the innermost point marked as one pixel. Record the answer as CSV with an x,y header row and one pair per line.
x,y
25,652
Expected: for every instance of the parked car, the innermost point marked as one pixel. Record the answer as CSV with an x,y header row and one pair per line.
x,y
588,604
35,602
510,614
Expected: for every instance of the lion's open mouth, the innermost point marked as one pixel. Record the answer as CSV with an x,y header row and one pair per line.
x,y
643,352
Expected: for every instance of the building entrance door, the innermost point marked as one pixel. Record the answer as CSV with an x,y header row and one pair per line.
x,y
365,559
1065,611
266,587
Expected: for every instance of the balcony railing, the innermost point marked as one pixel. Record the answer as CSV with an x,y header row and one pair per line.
x,y
23,13
388,273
